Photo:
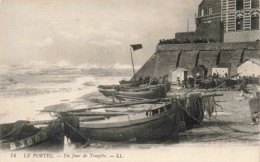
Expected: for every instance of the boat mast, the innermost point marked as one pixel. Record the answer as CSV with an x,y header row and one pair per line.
x,y
132,62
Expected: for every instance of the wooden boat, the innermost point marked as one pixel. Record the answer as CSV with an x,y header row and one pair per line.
x,y
156,124
117,87
32,136
126,82
122,87
107,92
108,86
147,92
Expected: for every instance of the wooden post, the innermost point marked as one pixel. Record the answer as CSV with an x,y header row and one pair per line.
x,y
113,98
132,62
258,99
188,25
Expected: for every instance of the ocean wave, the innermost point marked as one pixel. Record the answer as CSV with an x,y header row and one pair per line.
x,y
37,66
124,66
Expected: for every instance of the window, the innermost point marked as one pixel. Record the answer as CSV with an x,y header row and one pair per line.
x,y
239,23
209,10
240,4
202,12
255,4
255,22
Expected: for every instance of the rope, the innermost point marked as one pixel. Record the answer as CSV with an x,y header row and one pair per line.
x,y
197,119
87,139
231,110
187,135
210,128
233,129
211,90
194,107
237,137
16,130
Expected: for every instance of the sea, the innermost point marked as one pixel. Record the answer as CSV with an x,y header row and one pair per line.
x,y
27,89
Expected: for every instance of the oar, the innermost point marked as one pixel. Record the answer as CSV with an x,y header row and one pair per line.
x,y
102,101
39,122
108,106
191,90
211,94
136,98
148,87
211,90
91,118
92,114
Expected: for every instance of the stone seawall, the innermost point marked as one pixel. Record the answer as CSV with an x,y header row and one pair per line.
x,y
170,56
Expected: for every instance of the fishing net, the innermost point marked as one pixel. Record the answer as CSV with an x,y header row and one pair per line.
x,y
254,105
208,105
16,131
194,109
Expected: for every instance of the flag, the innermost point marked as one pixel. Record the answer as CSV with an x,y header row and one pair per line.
x,y
136,46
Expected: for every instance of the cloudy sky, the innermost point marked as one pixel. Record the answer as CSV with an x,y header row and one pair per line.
x,y
88,31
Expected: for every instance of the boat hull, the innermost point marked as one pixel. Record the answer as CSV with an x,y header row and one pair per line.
x,y
49,138
156,92
146,92
160,127
107,92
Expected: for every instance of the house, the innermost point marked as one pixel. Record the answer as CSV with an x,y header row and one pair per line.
x,y
225,21
176,73
220,70
240,20
249,67
200,70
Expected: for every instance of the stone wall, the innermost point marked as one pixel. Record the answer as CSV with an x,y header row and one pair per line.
x,y
253,53
208,46
169,56
231,59
159,64
208,59
242,36
207,31
215,4
188,60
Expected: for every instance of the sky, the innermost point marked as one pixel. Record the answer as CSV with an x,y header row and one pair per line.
x,y
88,31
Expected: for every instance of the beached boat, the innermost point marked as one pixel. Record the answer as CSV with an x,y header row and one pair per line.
x,y
126,82
120,87
35,135
155,124
107,92
147,92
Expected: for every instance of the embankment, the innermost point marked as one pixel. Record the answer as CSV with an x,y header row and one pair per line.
x,y
170,56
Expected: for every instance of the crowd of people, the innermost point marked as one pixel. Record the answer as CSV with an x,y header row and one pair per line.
x,y
187,41
211,81
154,81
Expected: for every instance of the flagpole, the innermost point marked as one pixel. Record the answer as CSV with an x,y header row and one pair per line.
x,y
132,62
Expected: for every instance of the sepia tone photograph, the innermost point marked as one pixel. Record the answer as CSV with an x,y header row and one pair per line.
x,y
129,80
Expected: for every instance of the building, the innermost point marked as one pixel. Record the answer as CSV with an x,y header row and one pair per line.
x,y
200,70
176,73
241,20
208,23
225,21
249,67
231,47
220,70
